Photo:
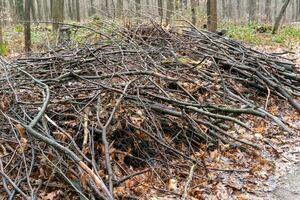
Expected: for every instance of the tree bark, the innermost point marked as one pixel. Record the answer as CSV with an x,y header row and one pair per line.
x,y
193,8
268,11
223,9
238,9
252,10
92,9
46,10
20,9
1,24
298,11
77,11
70,10
39,10
280,15
212,16
57,13
32,10
27,32
160,10
170,8
184,4
138,7
120,8
275,9
177,4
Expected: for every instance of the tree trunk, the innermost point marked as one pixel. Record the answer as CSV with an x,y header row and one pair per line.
x,y
70,10
77,11
298,11
275,9
230,10
138,7
177,4
238,9
1,24
39,10
160,10
46,10
280,15
268,11
170,8
194,17
212,16
32,10
184,4
57,13
120,8
252,10
20,9
223,9
27,32
92,9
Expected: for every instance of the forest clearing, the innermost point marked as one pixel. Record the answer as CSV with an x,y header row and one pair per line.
x,y
149,99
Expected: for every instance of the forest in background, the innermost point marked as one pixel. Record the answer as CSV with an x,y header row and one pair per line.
x,y
239,11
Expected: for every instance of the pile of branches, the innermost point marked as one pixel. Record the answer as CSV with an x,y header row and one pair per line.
x,y
136,100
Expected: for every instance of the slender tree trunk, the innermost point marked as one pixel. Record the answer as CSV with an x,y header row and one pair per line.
x,y
113,8
252,10
92,9
177,4
70,10
120,7
212,15
1,23
275,9
230,9
46,10
268,11
170,8
223,9
238,9
27,32
20,9
32,10
184,4
77,10
193,8
138,7
298,11
280,15
160,10
39,10
57,13
293,10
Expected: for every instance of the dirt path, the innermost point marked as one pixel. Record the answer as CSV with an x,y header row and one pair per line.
x,y
290,186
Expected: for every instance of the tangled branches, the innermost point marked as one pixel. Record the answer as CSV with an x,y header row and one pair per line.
x,y
143,98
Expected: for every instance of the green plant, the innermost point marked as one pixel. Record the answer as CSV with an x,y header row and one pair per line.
x,y
4,49
19,28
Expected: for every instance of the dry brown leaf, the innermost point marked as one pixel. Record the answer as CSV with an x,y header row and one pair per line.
x,y
84,180
173,184
52,195
21,131
4,104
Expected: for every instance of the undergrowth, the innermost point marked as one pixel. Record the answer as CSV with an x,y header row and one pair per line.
x,y
287,36
43,37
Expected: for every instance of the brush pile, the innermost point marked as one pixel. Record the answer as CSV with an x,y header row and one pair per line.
x,y
147,103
